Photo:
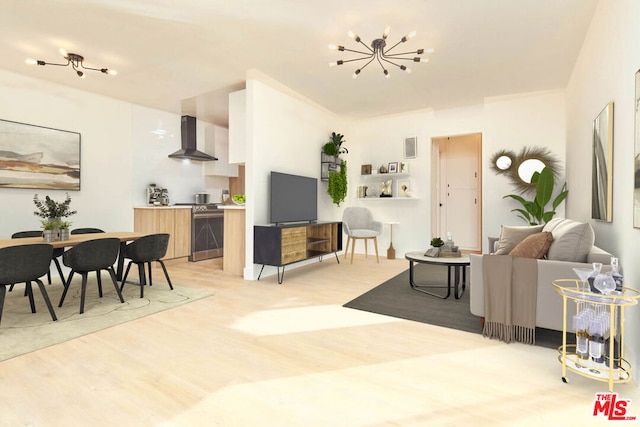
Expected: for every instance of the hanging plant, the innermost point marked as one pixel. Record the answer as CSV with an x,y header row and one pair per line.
x,y
337,187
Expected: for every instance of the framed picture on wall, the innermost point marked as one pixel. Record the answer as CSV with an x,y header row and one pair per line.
x,y
404,188
393,167
38,157
602,166
636,158
410,147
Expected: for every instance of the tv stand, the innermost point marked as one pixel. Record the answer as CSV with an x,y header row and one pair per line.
x,y
282,244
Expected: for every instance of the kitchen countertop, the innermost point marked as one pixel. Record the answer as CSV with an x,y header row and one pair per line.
x,y
231,207
164,207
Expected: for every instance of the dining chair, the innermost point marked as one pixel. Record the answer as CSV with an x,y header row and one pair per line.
x,y
25,263
92,255
358,224
87,230
54,257
143,252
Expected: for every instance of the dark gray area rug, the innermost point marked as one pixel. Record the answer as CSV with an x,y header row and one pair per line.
x,y
396,298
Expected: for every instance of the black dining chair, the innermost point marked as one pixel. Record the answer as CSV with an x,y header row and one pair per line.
x,y
25,263
92,255
87,230
56,252
146,250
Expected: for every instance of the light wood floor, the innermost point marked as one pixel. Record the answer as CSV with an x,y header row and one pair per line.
x,y
263,354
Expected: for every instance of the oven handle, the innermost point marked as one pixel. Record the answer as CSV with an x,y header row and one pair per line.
x,y
211,215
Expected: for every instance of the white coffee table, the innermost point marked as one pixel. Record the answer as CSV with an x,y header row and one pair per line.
x,y
454,265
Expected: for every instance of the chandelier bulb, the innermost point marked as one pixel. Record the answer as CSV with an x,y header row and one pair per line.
x,y
80,74
31,61
333,47
355,74
424,60
430,50
386,32
64,53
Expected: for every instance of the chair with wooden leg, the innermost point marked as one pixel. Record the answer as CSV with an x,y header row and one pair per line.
x,y
358,224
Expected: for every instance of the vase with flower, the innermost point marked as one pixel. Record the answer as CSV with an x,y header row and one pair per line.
x,y
52,214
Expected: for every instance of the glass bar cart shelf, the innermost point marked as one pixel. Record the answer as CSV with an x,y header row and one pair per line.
x,y
613,306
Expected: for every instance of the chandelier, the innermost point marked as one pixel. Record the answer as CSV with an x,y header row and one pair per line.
x,y
378,53
76,61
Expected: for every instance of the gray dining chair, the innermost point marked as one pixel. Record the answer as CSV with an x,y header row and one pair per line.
x,y
92,255
358,224
25,263
144,251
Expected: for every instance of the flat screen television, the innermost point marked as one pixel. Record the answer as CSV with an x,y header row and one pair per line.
x,y
294,198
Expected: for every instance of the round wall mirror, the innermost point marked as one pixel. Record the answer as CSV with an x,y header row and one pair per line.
x,y
528,167
503,163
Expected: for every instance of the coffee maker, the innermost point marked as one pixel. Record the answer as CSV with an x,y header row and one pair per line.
x,y
157,196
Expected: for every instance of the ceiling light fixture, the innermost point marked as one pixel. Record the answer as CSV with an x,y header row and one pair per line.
x,y
377,52
76,61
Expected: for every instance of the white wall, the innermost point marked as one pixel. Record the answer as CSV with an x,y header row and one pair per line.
x,y
104,199
604,72
120,154
284,133
505,123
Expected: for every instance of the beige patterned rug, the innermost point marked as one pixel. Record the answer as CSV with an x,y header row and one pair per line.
x,y
22,331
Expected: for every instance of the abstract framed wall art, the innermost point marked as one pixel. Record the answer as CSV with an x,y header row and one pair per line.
x,y
411,147
38,157
636,157
602,165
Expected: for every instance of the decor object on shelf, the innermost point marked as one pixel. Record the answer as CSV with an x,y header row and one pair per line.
x,y
337,187
602,176
534,212
75,60
385,190
39,157
393,167
404,167
410,147
377,52
404,188
521,167
365,170
383,169
331,151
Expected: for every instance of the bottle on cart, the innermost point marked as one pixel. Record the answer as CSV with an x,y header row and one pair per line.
x,y
597,266
615,273
582,336
596,341
611,341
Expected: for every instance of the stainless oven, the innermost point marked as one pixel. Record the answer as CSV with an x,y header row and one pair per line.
x,y
207,232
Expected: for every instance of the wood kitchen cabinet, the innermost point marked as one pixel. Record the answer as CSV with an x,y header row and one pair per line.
x,y
175,221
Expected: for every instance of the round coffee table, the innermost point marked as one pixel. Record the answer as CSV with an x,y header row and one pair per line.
x,y
454,265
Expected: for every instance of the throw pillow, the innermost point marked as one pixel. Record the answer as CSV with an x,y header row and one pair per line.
x,y
534,246
510,236
572,240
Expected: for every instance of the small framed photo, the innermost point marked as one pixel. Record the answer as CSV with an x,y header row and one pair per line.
x,y
404,167
393,167
410,147
365,170
404,189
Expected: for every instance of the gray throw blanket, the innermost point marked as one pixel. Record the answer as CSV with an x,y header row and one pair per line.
x,y
510,292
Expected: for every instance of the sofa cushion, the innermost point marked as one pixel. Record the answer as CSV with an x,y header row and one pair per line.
x,y
534,246
572,240
510,236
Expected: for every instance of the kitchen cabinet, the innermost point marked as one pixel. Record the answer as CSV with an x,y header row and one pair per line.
x,y
175,221
216,142
234,240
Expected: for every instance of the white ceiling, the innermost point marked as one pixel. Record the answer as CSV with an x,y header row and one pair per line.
x,y
184,56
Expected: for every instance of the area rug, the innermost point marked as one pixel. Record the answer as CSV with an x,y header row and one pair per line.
x,y
396,298
22,331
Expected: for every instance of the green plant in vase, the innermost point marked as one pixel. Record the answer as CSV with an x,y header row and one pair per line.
x,y
52,213
337,187
436,242
535,211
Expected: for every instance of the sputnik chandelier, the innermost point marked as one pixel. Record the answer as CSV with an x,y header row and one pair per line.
x,y
76,61
377,52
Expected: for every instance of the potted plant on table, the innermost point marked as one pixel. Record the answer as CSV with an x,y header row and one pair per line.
x,y
52,212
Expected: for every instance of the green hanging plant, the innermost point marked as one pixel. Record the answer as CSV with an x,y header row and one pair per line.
x,y
337,187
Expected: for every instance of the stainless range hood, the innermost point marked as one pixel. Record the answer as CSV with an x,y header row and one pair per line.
x,y
189,150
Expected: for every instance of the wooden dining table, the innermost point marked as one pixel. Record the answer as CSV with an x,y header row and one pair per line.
x,y
74,239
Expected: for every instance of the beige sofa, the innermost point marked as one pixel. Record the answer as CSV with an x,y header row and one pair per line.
x,y
572,246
